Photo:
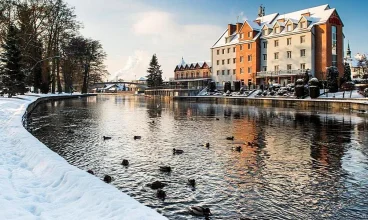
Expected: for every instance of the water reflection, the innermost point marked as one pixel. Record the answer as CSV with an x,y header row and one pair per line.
x,y
306,164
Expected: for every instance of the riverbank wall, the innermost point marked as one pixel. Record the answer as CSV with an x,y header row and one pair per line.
x,y
352,104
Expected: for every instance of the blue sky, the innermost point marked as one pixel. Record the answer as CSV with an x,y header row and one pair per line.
x,y
132,30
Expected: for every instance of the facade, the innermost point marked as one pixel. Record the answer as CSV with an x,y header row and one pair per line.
x,y
192,75
279,48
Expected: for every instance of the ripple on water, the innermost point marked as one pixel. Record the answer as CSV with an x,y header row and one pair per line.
x,y
306,165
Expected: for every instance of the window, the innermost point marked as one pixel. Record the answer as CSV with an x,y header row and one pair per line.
x,y
288,28
218,52
223,72
303,24
302,39
192,74
249,46
249,57
197,74
218,72
334,60
241,47
334,36
288,68
288,54
276,43
264,32
234,71
265,44
277,30
182,75
276,68
234,49
234,60
218,62
241,59
277,56
228,50
223,51
241,35
302,53
228,61
302,66
264,56
228,72
250,34
288,41
223,62
249,69
264,68
241,70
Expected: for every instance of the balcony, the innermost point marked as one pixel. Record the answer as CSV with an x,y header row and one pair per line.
x,y
263,74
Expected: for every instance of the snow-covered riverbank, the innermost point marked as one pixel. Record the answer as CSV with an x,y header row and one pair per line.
x,y
36,183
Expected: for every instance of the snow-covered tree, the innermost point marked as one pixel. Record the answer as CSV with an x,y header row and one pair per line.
x,y
10,58
332,76
347,73
154,77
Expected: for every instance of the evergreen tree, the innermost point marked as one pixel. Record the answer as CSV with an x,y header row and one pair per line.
x,y
332,76
13,76
154,77
347,72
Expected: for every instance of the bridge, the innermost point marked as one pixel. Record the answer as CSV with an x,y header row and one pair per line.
x,y
121,82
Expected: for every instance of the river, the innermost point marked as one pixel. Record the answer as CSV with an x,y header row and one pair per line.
x,y
306,164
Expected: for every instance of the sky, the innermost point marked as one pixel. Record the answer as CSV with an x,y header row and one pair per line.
x,y
131,31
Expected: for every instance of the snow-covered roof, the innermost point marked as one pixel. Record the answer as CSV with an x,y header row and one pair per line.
x,y
142,78
315,15
224,40
267,18
254,25
194,64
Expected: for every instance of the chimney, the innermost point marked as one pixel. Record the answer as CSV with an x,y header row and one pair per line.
x,y
281,20
238,26
306,14
230,29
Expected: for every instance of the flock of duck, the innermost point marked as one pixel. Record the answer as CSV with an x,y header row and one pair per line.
x,y
158,185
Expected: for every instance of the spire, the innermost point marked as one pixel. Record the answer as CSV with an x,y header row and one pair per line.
x,y
348,51
182,63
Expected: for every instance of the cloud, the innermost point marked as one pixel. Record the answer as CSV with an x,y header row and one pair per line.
x,y
135,66
170,37
242,17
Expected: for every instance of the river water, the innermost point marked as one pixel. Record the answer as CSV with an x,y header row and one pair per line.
x,y
307,164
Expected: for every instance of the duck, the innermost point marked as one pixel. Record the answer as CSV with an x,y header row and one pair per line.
x,y
137,137
230,138
106,138
207,145
191,182
156,185
161,194
217,119
90,172
107,179
199,210
177,151
125,162
165,169
238,148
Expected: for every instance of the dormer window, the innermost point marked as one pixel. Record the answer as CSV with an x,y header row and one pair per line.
x,y
250,34
277,30
289,27
303,24
264,32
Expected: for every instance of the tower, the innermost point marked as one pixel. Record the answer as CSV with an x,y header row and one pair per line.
x,y
348,52
261,11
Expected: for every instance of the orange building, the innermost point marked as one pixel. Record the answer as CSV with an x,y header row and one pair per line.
x,y
279,48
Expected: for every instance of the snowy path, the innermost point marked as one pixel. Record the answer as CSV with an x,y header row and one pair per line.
x,y
36,183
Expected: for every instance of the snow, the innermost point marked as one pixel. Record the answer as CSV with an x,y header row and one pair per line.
x,y
36,183
340,95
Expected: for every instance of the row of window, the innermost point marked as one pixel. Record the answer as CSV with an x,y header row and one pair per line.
x,y
276,57
192,75
228,49
288,67
288,41
223,72
289,28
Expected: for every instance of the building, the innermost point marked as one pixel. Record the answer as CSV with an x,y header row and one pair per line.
x,y
278,48
191,75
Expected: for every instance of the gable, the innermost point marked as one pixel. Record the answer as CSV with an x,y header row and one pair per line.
x,y
335,19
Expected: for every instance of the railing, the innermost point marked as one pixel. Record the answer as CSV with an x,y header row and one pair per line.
x,y
280,73
190,77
